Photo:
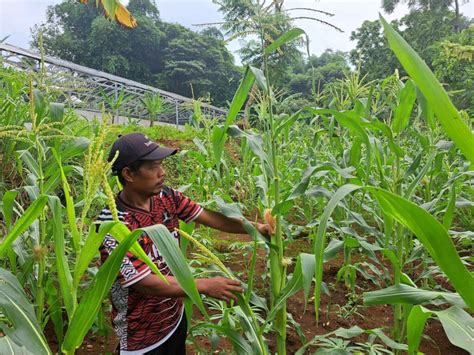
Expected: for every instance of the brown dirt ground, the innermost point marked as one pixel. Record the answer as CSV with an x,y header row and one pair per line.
x,y
331,317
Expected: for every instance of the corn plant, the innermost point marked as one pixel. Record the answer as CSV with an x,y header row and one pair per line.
x,y
154,105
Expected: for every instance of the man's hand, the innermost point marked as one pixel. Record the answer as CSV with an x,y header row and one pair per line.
x,y
219,287
264,229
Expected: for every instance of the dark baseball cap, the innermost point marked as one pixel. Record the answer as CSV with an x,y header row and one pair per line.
x,y
136,146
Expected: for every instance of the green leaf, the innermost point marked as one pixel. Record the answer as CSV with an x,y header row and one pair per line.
x,y
427,229
260,78
70,211
459,326
405,107
25,331
302,278
56,112
415,325
39,103
283,39
425,108
255,143
240,97
55,308
90,249
432,90
30,162
241,346
302,186
168,247
62,266
433,236
449,214
416,182
8,347
401,293
219,138
22,224
120,232
91,301
7,207
74,147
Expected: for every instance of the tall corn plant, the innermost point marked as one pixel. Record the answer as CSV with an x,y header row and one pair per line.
x,y
266,148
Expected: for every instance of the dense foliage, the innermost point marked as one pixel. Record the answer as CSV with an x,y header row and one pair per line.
x,y
157,53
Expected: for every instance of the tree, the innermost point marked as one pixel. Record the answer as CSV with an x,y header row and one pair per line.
x,y
322,69
261,22
431,5
155,53
421,28
454,67
372,54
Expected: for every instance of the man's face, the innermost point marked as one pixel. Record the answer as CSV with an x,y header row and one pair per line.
x,y
149,178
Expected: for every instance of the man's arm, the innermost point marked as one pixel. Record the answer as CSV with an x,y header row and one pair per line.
x,y
216,287
223,223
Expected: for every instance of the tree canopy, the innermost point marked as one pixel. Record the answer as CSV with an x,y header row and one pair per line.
x,y
168,56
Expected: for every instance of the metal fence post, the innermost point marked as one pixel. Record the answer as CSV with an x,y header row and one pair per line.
x,y
177,114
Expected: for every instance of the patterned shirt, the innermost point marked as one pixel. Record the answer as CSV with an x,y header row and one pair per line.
x,y
143,322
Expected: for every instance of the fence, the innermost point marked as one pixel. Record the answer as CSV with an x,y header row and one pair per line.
x,y
86,89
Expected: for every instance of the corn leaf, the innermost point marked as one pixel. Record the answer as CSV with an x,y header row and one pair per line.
x,y
169,249
25,331
7,207
240,97
62,266
401,293
435,95
30,162
91,301
219,135
404,108
120,232
433,236
301,279
260,78
459,326
23,223
55,308
90,249
449,214
56,112
283,39
241,346
415,325
70,211
8,347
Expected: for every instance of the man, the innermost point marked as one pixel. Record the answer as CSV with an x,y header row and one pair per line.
x,y
148,315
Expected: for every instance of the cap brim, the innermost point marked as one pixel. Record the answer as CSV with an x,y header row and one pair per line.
x,y
159,153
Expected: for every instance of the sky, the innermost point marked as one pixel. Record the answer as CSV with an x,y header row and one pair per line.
x,y
17,17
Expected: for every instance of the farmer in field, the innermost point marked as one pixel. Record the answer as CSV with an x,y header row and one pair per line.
x,y
148,315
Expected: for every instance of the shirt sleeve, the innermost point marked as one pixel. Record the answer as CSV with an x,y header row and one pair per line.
x,y
186,209
132,269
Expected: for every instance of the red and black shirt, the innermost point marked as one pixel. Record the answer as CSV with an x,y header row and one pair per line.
x,y
144,322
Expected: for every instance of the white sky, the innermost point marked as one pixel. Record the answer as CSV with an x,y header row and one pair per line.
x,y
18,16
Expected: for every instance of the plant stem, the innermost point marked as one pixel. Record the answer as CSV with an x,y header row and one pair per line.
x,y
278,277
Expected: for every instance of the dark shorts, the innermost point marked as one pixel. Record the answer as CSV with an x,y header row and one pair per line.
x,y
176,344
